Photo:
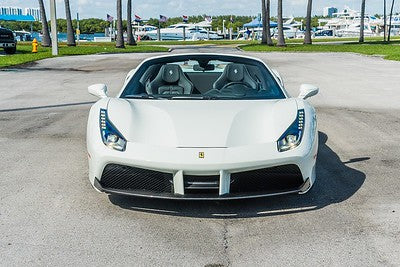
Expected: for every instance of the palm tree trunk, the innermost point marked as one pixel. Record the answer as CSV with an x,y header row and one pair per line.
x,y
46,41
307,34
281,37
70,29
361,40
268,13
120,30
390,20
131,38
264,22
266,36
384,20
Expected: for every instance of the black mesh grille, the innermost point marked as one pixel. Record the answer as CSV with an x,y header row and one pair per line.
x,y
279,178
201,184
135,179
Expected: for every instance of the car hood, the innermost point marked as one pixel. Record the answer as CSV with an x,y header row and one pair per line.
x,y
202,123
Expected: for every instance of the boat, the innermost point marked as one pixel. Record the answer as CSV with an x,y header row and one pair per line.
x,y
175,32
347,23
23,36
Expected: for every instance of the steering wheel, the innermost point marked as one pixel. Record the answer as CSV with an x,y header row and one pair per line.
x,y
236,84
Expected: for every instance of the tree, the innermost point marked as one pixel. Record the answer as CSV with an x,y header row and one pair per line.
x,y
281,37
384,20
362,20
70,29
46,41
120,31
307,34
390,20
130,37
266,36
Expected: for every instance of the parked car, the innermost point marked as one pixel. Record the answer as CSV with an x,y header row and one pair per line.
x,y
324,33
8,41
202,126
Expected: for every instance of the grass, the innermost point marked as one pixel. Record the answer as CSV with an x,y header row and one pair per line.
x,y
388,51
24,54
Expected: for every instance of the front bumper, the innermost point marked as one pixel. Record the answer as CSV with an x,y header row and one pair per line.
x,y
132,181
7,44
176,172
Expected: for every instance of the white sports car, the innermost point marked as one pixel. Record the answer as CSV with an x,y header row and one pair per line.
x,y
202,126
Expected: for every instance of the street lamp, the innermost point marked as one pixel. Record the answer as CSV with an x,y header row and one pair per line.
x,y
54,39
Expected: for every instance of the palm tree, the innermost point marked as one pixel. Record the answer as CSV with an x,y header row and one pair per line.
x,y
70,29
384,20
361,40
131,39
390,20
307,34
120,33
46,41
266,36
281,37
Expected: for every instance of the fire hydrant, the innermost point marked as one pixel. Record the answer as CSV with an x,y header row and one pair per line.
x,y
34,46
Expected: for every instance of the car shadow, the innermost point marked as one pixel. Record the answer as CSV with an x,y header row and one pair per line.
x,y
336,182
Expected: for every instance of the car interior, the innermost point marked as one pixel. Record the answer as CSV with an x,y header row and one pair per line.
x,y
205,78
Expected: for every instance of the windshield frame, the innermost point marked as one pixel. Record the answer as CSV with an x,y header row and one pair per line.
x,y
140,70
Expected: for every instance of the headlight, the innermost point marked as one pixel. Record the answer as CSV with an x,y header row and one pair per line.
x,y
109,133
292,137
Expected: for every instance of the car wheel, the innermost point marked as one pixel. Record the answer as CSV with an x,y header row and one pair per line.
x,y
10,50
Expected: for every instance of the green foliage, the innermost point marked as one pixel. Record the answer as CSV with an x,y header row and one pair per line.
x,y
19,25
388,51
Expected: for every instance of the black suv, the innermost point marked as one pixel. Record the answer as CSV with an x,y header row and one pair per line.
x,y
7,41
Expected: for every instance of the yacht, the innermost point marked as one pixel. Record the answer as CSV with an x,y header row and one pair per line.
x,y
175,32
347,23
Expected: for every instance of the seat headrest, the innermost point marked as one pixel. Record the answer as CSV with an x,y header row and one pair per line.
x,y
235,72
170,73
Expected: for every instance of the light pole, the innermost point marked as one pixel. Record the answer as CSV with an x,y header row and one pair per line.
x,y
223,27
53,17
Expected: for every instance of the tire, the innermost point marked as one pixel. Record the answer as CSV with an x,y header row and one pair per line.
x,y
10,50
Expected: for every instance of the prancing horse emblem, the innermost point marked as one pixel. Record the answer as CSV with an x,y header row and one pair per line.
x,y
201,155
235,71
171,72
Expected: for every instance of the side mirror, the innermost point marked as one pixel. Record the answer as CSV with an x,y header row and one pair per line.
x,y
278,76
99,90
308,90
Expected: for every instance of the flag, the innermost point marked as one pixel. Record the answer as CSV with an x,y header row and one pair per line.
x,y
163,18
110,18
185,18
137,18
208,19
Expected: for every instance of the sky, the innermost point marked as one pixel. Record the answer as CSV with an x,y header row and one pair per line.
x,y
173,8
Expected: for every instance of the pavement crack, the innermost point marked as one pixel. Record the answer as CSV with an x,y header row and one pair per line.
x,y
225,242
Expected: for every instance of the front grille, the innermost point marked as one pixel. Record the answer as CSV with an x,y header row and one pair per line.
x,y
136,179
286,177
201,184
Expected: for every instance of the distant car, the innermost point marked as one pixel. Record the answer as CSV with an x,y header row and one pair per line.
x,y
7,41
202,126
324,33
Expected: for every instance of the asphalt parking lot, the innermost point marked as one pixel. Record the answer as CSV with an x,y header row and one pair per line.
x,y
50,215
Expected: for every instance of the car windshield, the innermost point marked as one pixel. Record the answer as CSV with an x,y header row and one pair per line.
x,y
203,77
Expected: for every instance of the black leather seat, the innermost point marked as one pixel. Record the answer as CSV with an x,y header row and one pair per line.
x,y
170,80
235,73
